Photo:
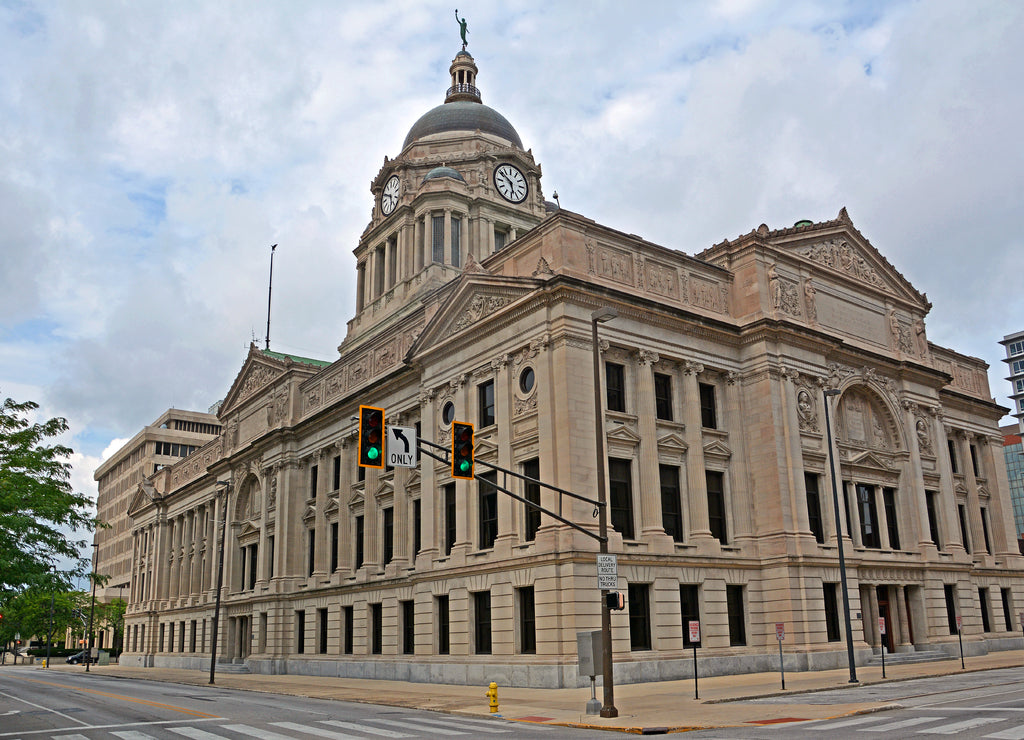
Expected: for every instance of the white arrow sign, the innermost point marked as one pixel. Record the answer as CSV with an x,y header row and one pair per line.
x,y
401,447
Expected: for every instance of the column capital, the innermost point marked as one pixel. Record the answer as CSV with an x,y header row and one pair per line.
x,y
646,357
689,367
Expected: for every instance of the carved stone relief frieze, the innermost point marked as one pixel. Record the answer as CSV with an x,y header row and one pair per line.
x,y
899,332
479,307
838,255
783,291
807,410
661,280
706,294
255,379
610,263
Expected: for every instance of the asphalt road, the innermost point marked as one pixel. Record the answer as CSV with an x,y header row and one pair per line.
x,y
39,706
988,704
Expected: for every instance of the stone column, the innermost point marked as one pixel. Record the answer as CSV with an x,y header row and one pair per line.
x,y
465,491
849,491
795,415
448,237
431,504
322,556
507,506
1004,535
973,502
360,286
174,570
651,524
917,506
902,621
349,452
696,484
869,600
418,249
946,491
742,504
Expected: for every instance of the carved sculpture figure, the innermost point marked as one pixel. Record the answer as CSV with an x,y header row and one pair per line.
x,y
812,311
463,30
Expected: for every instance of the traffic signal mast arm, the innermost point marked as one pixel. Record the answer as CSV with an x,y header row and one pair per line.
x,y
538,507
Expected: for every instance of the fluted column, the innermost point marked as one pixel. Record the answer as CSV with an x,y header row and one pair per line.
x,y
503,413
321,558
418,249
651,524
917,507
1004,533
742,505
946,489
448,257
973,502
696,483
430,506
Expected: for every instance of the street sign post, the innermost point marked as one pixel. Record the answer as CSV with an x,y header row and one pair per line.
x,y
607,572
780,635
694,640
881,631
401,447
960,637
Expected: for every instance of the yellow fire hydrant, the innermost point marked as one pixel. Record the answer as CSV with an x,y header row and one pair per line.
x,y
492,695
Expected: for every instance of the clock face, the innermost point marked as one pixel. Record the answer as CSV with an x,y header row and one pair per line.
x,y
389,198
511,183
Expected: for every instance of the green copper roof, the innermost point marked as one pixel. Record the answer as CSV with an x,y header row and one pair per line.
x,y
295,358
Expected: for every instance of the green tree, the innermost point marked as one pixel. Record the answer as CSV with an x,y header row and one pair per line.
x,y
38,507
28,613
111,615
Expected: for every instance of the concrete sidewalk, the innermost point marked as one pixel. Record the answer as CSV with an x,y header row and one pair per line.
x,y
643,707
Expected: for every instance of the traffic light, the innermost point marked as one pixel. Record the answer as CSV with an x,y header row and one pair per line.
x,y
462,450
615,600
371,437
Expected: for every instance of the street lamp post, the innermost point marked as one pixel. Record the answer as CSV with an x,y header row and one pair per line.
x,y
602,315
92,611
220,576
828,393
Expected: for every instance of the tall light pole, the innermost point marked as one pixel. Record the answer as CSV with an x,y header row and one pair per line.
x,y
828,393
92,610
602,315
220,575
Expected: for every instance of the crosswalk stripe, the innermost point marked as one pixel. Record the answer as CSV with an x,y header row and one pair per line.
x,y
960,726
459,723
901,724
836,725
1013,733
70,737
132,735
195,733
364,728
257,732
311,730
418,728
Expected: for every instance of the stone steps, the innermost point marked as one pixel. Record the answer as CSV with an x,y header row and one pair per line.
x,y
919,656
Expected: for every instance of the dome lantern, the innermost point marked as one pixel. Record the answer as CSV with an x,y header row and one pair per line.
x,y
463,71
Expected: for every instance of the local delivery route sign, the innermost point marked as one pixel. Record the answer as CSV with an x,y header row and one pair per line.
x,y
401,447
607,572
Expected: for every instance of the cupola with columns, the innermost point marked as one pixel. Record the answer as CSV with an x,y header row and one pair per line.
x,y
462,187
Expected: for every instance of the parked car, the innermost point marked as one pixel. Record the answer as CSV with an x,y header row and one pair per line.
x,y
76,658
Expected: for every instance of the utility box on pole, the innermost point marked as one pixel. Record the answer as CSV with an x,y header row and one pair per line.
x,y
589,650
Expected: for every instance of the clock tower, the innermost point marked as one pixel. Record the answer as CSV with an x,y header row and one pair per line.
x,y
462,188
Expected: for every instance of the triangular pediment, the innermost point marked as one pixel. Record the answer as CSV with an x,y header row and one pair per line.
x,y
358,498
309,513
258,371
385,487
248,528
622,433
868,459
483,447
960,488
145,495
717,448
476,298
672,442
332,505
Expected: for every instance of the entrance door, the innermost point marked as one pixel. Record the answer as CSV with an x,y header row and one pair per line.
x,y
883,611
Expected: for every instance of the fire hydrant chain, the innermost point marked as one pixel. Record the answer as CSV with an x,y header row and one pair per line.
x,y
492,695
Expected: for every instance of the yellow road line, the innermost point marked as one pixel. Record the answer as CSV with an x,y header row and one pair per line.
x,y
124,698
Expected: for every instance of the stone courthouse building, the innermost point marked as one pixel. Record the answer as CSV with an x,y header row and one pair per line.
x,y
474,303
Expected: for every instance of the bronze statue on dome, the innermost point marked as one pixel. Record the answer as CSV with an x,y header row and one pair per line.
x,y
463,30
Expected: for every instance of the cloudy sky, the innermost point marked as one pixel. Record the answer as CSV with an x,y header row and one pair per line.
x,y
151,152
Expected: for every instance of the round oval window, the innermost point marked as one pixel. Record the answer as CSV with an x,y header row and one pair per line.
x,y
526,379
448,413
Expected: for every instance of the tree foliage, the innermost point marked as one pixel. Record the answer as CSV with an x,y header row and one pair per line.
x,y
29,614
38,507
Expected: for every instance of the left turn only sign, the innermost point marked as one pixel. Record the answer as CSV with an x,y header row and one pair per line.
x,y
401,447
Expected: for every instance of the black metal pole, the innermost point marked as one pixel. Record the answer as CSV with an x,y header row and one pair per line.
x,y
839,540
92,611
696,693
960,637
608,710
49,633
220,583
883,655
782,668
270,290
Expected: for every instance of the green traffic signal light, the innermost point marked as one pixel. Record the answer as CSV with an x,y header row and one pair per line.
x,y
462,450
371,430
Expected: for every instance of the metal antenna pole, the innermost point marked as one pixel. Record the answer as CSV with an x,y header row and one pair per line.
x,y
270,291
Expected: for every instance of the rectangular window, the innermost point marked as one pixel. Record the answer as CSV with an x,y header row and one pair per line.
x,y
715,482
321,630
336,473
500,237
868,516
437,239
889,501
689,609
485,398
388,545
639,617
334,546
961,511
449,518
359,541
408,627
531,492
737,618
300,631
487,509
527,621
314,474
831,612
951,444
482,622
311,551
615,386
456,242
270,556
620,495
377,628
348,617
663,396
708,414
671,503
253,559
443,626
947,591
417,524
984,530
974,461
933,517
814,506
986,623
1007,614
